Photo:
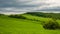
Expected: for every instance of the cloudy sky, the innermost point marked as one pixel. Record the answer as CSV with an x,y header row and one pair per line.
x,y
29,5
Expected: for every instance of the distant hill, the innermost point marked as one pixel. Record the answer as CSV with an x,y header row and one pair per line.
x,y
47,15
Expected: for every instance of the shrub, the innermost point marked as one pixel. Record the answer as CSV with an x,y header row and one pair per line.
x,y
21,16
14,16
17,16
51,25
1,14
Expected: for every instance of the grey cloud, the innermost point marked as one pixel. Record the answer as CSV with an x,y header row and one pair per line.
x,y
25,5
22,5
14,3
50,9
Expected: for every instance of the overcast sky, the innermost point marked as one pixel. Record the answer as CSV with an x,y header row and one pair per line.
x,y
29,5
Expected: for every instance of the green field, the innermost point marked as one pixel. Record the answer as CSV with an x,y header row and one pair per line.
x,y
31,25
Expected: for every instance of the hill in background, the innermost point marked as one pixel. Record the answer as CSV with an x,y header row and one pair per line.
x,y
30,23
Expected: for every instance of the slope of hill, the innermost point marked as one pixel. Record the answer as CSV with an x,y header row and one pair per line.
x,y
46,15
10,25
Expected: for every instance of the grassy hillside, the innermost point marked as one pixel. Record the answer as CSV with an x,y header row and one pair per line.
x,y
30,25
46,15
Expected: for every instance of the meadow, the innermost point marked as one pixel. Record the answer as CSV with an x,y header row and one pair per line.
x,y
29,24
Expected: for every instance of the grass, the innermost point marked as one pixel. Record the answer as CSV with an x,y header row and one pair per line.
x,y
23,26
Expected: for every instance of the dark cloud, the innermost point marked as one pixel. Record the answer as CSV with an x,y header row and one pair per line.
x,y
29,5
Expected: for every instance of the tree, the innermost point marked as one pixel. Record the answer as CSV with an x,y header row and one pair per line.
x,y
51,25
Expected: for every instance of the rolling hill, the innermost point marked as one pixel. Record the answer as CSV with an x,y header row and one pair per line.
x,y
30,25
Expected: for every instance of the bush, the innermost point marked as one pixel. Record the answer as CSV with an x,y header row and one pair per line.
x,y
14,16
22,17
17,16
51,25
1,14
